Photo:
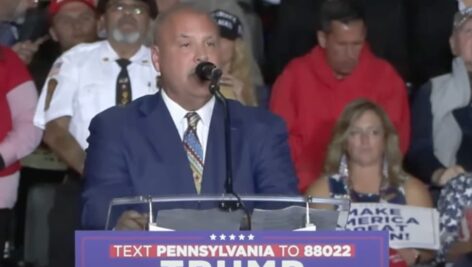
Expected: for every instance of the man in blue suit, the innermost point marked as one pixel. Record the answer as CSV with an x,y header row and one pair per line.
x,y
172,143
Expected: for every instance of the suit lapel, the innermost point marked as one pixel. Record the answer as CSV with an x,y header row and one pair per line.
x,y
214,173
165,142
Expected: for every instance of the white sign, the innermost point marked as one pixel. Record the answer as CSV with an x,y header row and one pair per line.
x,y
408,226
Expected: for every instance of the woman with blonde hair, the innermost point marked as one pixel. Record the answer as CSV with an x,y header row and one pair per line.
x,y
363,164
237,82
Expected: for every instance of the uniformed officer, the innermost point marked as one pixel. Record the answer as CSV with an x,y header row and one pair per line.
x,y
84,81
90,78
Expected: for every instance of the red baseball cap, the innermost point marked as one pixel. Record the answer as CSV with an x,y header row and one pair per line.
x,y
55,5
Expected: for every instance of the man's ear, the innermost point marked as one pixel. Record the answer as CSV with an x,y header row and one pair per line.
x,y
321,36
452,44
155,57
53,34
101,27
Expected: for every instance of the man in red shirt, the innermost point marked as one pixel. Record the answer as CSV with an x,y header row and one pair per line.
x,y
314,89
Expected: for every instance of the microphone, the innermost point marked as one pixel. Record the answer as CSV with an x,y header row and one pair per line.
x,y
207,71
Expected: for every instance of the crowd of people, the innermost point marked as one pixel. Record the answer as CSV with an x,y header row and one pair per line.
x,y
100,99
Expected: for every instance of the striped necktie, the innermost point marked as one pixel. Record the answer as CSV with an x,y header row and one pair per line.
x,y
194,149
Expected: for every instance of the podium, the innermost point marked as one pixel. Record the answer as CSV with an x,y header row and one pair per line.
x,y
213,247
231,249
261,212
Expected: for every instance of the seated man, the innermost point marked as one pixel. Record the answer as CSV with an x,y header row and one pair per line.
x,y
173,142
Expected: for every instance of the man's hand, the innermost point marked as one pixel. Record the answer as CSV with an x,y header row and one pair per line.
x,y
442,176
132,221
26,50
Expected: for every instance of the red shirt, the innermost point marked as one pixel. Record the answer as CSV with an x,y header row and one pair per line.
x,y
309,98
12,74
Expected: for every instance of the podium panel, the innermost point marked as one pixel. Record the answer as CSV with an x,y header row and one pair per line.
x,y
266,212
231,249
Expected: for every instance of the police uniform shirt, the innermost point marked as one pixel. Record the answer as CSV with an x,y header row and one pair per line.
x,y
82,83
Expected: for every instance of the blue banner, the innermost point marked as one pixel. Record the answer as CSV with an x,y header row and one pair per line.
x,y
231,249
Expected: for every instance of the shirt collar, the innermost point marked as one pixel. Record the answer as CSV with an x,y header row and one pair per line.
x,y
178,113
142,56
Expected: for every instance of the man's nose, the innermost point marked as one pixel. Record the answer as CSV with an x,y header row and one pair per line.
x,y
365,137
351,52
201,54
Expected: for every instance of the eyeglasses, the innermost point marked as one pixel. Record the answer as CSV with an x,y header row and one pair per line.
x,y
133,9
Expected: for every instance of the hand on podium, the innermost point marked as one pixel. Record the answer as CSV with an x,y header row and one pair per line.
x,y
132,221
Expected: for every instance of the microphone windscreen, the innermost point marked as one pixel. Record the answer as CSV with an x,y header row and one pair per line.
x,y
208,71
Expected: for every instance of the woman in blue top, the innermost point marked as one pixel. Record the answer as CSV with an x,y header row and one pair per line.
x,y
364,164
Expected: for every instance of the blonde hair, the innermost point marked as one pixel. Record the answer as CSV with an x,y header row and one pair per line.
x,y
240,68
337,147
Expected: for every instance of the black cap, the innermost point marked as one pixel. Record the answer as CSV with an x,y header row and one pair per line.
x,y
230,25
102,7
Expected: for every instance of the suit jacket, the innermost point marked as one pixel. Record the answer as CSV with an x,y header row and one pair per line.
x,y
136,150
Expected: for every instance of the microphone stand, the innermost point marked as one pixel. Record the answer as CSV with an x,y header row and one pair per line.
x,y
228,205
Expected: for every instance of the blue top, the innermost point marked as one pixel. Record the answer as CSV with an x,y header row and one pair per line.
x,y
339,188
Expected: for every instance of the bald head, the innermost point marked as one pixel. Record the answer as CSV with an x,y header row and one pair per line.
x,y
184,37
174,14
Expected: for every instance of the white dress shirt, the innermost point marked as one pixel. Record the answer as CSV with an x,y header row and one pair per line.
x,y
85,79
178,117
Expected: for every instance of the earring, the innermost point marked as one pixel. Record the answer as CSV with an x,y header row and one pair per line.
x,y
343,168
385,167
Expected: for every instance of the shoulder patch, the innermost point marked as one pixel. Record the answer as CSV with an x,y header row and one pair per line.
x,y
52,84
